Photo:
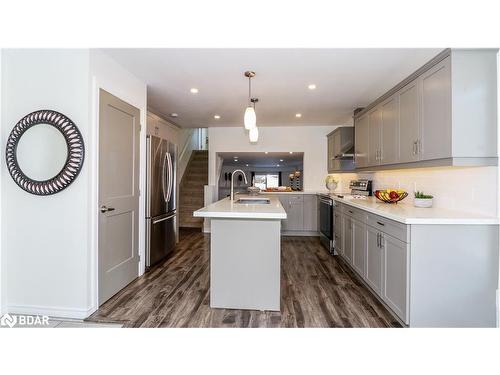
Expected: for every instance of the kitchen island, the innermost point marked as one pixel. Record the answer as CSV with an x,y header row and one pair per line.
x,y
245,252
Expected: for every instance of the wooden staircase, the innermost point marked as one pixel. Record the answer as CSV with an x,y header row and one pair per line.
x,y
191,194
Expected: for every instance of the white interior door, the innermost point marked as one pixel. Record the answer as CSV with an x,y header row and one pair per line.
x,y
119,128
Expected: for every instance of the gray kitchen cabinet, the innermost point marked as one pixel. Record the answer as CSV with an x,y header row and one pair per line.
x,y
310,221
374,136
359,246
347,238
409,121
389,136
330,154
396,275
338,222
341,149
426,274
361,143
444,114
435,141
374,260
294,208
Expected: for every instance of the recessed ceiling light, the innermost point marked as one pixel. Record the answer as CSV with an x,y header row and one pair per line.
x,y
246,165
194,90
298,115
277,165
291,152
216,117
174,115
312,86
281,159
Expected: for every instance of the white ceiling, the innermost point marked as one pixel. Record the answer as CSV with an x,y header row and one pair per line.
x,y
345,79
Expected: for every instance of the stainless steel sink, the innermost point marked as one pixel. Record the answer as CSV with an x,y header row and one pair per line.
x,y
253,201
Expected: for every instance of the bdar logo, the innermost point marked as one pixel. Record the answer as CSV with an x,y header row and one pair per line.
x,y
8,320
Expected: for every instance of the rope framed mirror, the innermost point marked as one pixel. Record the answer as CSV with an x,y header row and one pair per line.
x,y
72,160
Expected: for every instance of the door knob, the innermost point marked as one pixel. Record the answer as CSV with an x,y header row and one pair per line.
x,y
106,209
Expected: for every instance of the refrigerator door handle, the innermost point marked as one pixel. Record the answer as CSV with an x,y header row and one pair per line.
x,y
164,179
170,173
163,219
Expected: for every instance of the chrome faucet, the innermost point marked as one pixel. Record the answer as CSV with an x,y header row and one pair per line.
x,y
232,181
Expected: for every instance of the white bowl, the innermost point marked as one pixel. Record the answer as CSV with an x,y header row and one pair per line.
x,y
423,203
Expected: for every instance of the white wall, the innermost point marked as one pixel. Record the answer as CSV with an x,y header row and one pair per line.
x,y
2,272
107,74
46,239
51,263
311,140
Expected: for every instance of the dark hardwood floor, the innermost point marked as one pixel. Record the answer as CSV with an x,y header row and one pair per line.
x,y
317,290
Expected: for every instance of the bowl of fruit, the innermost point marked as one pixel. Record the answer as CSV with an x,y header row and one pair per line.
x,y
390,195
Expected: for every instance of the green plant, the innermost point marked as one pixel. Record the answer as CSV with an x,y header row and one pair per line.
x,y
421,195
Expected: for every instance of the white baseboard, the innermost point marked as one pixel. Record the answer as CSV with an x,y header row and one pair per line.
x,y
53,312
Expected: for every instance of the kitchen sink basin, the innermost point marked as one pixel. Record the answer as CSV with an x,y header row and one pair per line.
x,y
253,201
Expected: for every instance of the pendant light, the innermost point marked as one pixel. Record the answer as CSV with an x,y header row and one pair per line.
x,y
250,118
254,134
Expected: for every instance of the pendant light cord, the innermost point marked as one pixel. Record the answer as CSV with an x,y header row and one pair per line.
x,y
249,90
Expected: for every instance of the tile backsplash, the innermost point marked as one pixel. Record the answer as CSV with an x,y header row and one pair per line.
x,y
463,189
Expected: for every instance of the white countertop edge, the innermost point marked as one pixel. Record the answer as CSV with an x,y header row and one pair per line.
x,y
225,209
239,215
472,220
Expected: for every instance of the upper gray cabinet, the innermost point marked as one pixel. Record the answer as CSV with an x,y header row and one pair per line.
x,y
362,138
341,150
444,114
409,121
435,129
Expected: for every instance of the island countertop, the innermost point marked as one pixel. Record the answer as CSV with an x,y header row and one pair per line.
x,y
232,210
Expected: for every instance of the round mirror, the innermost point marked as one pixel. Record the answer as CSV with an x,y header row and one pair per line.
x,y
41,152
44,152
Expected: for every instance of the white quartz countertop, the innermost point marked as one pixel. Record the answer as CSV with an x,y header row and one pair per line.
x,y
406,213
232,210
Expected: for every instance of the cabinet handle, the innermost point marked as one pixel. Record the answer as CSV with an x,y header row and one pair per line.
x,y
378,239
379,223
414,148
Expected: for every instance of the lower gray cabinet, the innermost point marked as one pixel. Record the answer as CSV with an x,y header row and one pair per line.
x,y
310,213
396,275
338,221
359,246
302,213
347,234
374,260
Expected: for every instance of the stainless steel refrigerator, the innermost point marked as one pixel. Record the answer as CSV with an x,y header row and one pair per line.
x,y
161,197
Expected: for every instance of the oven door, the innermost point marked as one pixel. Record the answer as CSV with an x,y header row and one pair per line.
x,y
326,216
326,222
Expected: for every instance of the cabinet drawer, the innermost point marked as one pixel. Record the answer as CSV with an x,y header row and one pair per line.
x,y
355,213
296,198
391,227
